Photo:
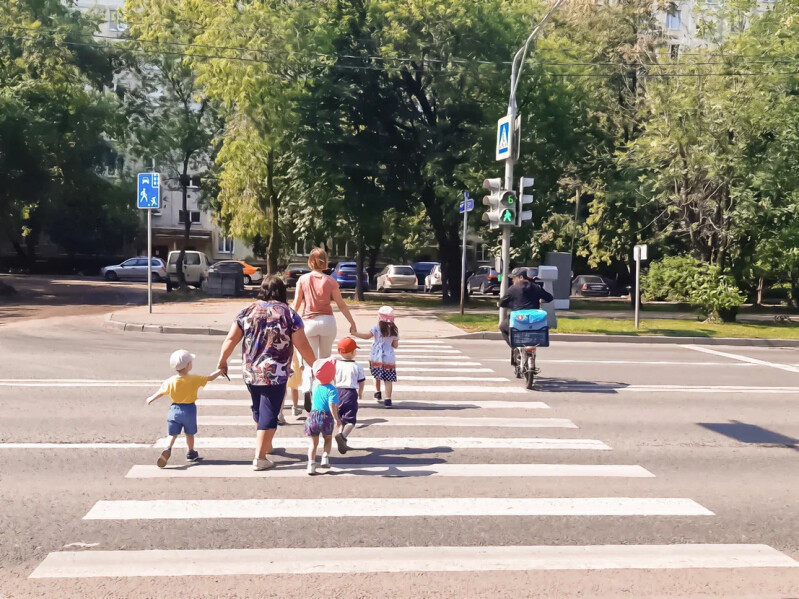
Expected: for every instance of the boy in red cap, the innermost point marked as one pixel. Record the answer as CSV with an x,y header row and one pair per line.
x,y
324,412
350,380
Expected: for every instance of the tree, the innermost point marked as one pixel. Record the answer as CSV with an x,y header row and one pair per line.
x,y
258,78
171,121
56,121
350,139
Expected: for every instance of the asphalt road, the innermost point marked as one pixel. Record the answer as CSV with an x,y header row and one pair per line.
x,y
705,443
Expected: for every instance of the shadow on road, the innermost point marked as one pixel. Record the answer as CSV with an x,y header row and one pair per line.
x,y
750,433
561,385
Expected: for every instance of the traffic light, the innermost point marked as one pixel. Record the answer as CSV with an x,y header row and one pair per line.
x,y
492,200
523,215
507,209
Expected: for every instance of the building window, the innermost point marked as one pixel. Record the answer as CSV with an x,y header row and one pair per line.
x,y
673,21
224,245
193,214
116,22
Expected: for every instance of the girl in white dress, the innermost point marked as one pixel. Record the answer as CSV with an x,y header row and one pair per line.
x,y
382,361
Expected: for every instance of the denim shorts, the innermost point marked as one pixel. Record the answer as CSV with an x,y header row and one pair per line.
x,y
182,418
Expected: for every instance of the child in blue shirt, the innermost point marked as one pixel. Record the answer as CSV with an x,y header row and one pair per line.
x,y
324,413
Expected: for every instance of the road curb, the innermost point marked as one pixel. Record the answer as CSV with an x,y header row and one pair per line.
x,y
119,325
652,339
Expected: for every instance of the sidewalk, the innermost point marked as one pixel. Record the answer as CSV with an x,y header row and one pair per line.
x,y
214,317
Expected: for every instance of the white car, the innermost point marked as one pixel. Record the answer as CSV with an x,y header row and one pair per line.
x,y
195,269
397,278
432,282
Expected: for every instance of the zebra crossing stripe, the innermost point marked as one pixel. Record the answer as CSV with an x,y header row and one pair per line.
x,y
361,560
390,507
430,443
349,469
402,389
446,421
409,405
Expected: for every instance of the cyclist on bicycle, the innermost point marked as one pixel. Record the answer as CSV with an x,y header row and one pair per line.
x,y
523,294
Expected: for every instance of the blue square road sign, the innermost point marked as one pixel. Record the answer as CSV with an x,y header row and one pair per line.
x,y
148,192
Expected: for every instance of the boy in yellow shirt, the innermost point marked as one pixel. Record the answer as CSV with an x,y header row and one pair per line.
x,y
182,389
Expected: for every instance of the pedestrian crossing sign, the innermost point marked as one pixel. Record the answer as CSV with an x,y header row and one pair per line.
x,y
504,138
148,191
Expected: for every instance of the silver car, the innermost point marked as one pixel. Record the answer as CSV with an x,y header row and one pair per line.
x,y
135,269
396,277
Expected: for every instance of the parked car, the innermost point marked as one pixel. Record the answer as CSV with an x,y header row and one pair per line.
x,y
344,274
195,269
432,282
485,279
422,269
294,271
396,277
252,274
590,286
135,269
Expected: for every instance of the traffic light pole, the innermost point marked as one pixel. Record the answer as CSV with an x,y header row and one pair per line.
x,y
516,71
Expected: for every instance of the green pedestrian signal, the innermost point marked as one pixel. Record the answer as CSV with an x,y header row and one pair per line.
x,y
507,216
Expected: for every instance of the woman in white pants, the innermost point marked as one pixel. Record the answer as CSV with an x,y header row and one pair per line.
x,y
315,295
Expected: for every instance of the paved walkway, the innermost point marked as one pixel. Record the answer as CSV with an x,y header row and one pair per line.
x,y
214,317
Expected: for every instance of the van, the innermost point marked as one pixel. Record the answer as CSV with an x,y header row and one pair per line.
x,y
195,269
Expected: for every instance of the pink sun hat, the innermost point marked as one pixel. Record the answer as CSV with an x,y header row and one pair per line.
x,y
386,313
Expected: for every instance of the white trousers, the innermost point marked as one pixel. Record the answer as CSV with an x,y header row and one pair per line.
x,y
321,332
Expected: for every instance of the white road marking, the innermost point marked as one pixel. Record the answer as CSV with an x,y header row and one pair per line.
x,y
401,389
396,471
73,445
431,443
747,359
446,421
390,507
408,341
361,560
81,545
418,350
634,362
407,404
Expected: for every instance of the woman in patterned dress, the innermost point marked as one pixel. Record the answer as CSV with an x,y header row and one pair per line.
x,y
270,331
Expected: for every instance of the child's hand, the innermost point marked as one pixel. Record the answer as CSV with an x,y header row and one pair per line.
x,y
150,399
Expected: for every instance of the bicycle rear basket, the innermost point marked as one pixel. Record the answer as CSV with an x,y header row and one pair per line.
x,y
538,338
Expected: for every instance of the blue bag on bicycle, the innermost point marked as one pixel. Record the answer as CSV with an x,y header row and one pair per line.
x,y
528,320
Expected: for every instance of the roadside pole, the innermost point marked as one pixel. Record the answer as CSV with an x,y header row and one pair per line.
x,y
514,148
639,253
150,261
148,197
466,206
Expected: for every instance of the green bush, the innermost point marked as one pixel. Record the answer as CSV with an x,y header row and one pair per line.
x,y
682,278
716,295
670,279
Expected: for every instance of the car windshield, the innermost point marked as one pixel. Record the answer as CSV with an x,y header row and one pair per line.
x,y
403,270
297,266
592,279
346,267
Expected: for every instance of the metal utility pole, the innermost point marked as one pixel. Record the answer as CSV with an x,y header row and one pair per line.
x,y
516,71
150,256
466,206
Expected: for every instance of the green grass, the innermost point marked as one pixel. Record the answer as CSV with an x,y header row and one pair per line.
x,y
660,327
416,301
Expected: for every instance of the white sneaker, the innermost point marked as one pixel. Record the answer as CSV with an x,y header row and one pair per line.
x,y
297,411
311,468
259,465
280,418
325,461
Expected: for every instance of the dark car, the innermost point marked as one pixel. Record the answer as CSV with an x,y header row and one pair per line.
x,y
590,286
422,269
344,274
485,279
294,271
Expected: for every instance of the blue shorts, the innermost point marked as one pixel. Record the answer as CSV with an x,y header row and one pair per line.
x,y
348,405
267,401
182,418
